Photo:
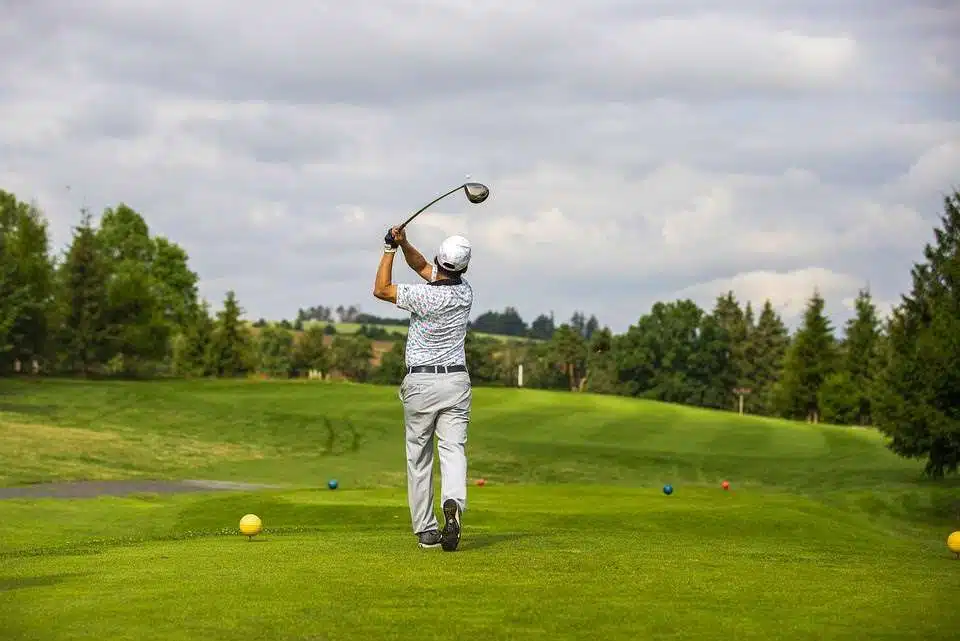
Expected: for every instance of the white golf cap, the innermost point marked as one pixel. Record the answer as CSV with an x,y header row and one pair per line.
x,y
454,254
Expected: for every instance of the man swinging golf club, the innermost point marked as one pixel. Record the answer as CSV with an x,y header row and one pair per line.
x,y
436,391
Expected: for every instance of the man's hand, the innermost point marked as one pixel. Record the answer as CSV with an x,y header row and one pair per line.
x,y
395,237
388,238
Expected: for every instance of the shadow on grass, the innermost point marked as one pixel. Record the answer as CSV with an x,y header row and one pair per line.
x,y
28,409
481,541
7,585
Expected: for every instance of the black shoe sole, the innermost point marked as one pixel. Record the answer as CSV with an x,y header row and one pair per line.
x,y
451,531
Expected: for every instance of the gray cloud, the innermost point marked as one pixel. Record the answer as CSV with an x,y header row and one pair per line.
x,y
634,151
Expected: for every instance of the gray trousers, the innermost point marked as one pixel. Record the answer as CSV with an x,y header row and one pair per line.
x,y
435,405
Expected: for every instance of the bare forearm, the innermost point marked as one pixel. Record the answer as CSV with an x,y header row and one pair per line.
x,y
384,273
414,258
383,288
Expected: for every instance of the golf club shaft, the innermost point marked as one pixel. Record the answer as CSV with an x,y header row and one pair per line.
x,y
424,208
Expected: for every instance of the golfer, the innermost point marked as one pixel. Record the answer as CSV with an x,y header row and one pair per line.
x,y
435,391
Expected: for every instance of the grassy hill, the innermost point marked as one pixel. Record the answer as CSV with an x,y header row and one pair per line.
x,y
401,330
823,535
382,346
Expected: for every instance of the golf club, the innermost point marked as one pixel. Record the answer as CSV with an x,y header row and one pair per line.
x,y
475,192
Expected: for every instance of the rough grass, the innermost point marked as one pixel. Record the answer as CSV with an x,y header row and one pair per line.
x,y
824,534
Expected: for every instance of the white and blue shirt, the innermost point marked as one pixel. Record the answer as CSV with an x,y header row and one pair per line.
x,y
439,313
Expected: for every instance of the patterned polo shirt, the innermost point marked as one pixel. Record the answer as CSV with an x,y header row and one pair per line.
x,y
439,312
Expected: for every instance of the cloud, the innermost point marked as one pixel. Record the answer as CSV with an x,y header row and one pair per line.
x,y
788,292
633,150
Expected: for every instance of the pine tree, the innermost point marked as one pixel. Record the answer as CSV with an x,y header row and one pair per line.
x,y
765,353
748,355
230,347
82,329
860,352
917,394
810,359
193,345
734,322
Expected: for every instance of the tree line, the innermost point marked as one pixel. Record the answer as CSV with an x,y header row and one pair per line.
x,y
122,302
505,323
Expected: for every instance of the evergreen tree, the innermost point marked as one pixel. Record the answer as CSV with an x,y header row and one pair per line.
x,y
766,352
230,347
542,327
732,319
592,326
193,344
917,393
860,353
810,359
81,326
838,399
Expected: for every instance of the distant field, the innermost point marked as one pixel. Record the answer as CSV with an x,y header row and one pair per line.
x,y
824,534
352,328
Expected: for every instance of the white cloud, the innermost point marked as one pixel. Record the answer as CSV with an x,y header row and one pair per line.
x,y
631,148
788,292
936,170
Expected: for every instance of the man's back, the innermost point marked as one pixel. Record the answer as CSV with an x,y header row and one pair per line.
x,y
439,313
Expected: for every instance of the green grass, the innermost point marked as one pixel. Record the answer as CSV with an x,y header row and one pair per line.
x,y
824,534
353,328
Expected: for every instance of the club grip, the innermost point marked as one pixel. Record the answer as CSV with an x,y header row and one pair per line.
x,y
388,238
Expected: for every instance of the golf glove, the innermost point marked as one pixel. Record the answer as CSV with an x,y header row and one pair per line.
x,y
388,239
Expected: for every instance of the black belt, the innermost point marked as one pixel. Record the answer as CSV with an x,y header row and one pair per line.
x,y
436,369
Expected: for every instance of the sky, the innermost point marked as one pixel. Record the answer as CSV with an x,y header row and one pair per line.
x,y
636,151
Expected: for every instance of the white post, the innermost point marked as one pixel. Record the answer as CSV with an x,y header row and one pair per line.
x,y
520,375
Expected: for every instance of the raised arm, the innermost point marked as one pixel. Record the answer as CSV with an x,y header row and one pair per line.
x,y
414,258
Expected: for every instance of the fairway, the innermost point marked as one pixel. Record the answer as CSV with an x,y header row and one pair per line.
x,y
823,535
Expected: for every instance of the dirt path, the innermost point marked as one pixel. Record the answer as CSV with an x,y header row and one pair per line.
x,y
91,489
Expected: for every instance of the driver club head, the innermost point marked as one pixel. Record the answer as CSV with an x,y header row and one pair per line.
x,y
476,192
